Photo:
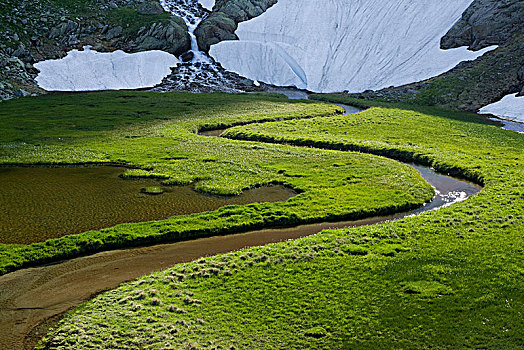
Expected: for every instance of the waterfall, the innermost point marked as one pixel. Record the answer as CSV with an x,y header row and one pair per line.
x,y
193,12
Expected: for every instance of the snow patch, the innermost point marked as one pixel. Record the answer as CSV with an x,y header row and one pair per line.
x,y
355,45
510,107
89,70
207,4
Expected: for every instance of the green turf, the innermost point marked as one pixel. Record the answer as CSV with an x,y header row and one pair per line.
x,y
156,135
447,279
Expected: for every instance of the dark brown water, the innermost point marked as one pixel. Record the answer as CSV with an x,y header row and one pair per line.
x,y
41,203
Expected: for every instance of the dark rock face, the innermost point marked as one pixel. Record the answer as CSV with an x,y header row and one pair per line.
x,y
223,21
485,23
170,36
520,73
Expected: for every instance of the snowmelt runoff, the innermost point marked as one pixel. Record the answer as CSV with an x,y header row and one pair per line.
x,y
337,45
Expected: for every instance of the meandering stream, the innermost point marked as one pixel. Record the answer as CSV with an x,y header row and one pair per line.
x,y
33,299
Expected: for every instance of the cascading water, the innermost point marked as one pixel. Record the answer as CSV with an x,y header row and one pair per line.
x,y
192,12
198,72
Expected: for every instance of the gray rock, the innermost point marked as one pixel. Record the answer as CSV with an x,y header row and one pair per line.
x,y
187,56
53,33
150,8
21,93
20,51
485,23
520,73
113,33
170,36
149,43
223,21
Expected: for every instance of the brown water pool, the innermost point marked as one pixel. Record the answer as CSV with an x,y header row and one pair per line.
x,y
41,203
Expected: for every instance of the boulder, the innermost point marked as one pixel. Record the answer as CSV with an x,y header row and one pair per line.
x,y
21,93
485,23
169,35
187,56
113,33
216,28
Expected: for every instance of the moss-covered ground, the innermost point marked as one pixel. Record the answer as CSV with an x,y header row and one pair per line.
x,y
86,12
447,279
155,135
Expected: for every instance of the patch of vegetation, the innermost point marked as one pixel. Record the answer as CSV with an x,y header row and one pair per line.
x,y
156,135
447,279
131,21
153,190
476,84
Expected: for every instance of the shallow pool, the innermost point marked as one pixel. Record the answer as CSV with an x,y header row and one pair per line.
x,y
42,203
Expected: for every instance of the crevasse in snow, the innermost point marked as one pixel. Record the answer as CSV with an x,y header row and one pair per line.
x,y
89,70
510,107
336,45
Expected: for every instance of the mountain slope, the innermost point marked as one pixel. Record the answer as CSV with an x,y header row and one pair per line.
x,y
472,85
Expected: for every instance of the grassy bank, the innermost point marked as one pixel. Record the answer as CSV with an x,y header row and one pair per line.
x,y
451,278
156,135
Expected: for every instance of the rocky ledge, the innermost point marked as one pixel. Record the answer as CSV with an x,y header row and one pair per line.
x,y
485,23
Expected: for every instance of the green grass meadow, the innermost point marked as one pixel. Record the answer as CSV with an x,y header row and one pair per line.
x,y
446,279
155,135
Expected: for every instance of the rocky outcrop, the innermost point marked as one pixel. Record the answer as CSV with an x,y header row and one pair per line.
x,y
16,78
222,23
485,23
169,35
32,31
204,77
